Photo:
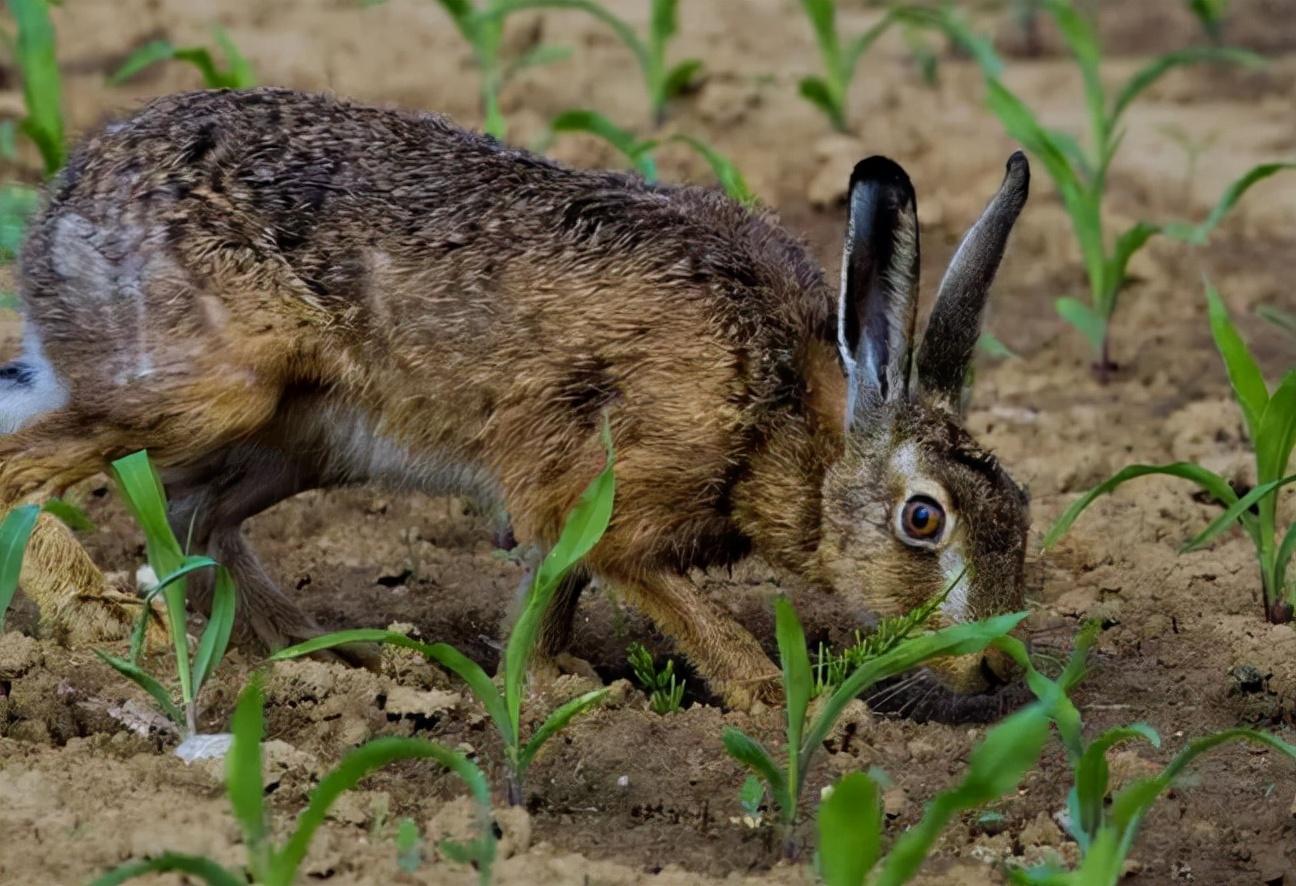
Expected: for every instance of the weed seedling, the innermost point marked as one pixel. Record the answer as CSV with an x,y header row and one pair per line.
x,y
1270,420
664,692
662,80
805,734
270,865
1080,175
581,531
42,92
831,670
640,152
236,74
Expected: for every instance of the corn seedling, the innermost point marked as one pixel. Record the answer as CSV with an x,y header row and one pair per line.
x,y
640,152
1270,420
237,72
581,531
805,734
270,865
1080,175
828,92
662,80
1210,15
42,92
665,693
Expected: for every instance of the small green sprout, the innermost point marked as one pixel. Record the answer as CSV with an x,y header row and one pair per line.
x,y
1080,175
662,80
1270,419
409,846
42,92
640,152
236,74
806,734
665,693
830,670
750,797
581,531
271,865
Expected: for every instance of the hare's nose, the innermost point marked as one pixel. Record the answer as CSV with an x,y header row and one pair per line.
x,y
999,669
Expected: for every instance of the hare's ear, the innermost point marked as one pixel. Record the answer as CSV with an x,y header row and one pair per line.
x,y
879,294
955,322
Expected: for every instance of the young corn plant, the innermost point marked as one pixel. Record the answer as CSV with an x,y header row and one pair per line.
x,y
806,732
663,81
142,490
828,92
1080,174
641,152
1270,420
271,865
665,693
34,49
850,818
236,73
582,530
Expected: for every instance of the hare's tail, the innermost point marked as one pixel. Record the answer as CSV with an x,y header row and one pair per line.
x,y
29,387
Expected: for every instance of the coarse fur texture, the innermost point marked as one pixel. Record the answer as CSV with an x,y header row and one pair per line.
x,y
273,291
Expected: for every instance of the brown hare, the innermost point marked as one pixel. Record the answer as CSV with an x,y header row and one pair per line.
x,y
273,292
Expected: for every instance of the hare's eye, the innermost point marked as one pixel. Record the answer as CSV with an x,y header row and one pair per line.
x,y
922,519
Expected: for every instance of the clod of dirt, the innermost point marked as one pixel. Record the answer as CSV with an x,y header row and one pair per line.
x,y
456,821
1041,831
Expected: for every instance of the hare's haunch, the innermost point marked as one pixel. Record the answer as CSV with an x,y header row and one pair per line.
x,y
275,292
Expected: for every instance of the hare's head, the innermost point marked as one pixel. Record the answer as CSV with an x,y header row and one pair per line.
x,y
915,508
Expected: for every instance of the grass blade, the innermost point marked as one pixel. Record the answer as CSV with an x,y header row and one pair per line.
x,y
1154,70
147,55
1084,318
220,624
69,514
354,767
1244,373
1207,480
850,831
815,90
243,767
680,78
1091,776
1277,432
15,531
1198,235
1127,244
42,90
556,721
240,74
593,123
1233,513
729,176
749,752
198,866
1284,555
797,683
1284,320
148,683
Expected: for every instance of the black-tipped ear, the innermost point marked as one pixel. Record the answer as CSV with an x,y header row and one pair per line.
x,y
879,294
955,322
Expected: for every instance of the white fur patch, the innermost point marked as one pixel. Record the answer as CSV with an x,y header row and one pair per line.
x,y
43,392
954,567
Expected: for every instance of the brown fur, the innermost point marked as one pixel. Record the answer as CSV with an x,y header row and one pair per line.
x,y
273,291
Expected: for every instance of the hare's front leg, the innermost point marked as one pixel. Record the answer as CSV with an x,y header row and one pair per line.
x,y
723,651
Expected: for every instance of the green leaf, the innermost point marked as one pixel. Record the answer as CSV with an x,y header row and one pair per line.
x,y
680,78
996,766
147,682
1082,40
356,766
220,624
201,58
990,344
749,752
409,846
1091,774
1277,431
239,74
856,48
18,203
147,55
556,722
731,179
537,56
69,514
1244,373
816,91
1127,244
1284,320
664,21
14,534
1233,514
593,123
243,767
626,34
198,866
797,683
850,831
1154,70
581,531
751,794
1084,318
1282,558
1198,235
42,91
479,682
1213,483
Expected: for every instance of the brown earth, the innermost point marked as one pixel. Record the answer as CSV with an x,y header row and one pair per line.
x,y
627,796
